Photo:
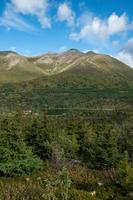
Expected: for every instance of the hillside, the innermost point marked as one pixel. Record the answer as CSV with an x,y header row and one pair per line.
x,y
70,79
17,68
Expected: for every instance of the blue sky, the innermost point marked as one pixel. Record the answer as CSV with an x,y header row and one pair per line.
x,y
33,27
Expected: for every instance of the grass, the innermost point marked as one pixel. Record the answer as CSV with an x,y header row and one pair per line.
x,y
86,185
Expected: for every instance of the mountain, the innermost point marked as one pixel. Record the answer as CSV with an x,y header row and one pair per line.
x,y
71,79
17,68
91,66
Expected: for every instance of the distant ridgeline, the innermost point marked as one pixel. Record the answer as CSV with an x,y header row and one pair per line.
x,y
64,81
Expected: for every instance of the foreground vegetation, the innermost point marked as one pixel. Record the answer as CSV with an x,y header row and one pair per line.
x,y
71,136
73,157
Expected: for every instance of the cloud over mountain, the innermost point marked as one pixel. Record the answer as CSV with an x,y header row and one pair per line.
x,y
65,13
97,28
126,54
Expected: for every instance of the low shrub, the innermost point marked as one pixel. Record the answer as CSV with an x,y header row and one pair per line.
x,y
82,195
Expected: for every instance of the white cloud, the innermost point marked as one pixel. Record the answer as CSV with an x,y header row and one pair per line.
x,y
129,46
11,19
36,8
94,28
116,24
65,13
30,6
16,9
126,55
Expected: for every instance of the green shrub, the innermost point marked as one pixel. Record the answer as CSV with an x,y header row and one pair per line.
x,y
125,174
81,195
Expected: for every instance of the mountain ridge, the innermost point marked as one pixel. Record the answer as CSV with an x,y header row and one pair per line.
x,y
89,65
67,79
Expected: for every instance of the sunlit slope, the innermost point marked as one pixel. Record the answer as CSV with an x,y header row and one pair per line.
x,y
68,69
65,80
17,68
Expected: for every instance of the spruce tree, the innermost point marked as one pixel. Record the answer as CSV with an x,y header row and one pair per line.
x,y
16,158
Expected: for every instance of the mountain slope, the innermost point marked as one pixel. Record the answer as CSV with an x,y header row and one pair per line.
x,y
91,66
17,68
70,79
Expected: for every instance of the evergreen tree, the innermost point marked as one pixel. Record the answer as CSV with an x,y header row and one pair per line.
x,y
99,148
16,158
125,173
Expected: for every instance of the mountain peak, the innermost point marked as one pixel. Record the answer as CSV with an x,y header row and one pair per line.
x,y
73,51
90,52
72,62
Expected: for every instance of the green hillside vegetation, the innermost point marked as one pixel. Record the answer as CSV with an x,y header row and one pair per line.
x,y
66,124
69,92
103,69
66,80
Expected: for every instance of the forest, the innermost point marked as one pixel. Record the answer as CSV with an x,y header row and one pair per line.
x,y
75,156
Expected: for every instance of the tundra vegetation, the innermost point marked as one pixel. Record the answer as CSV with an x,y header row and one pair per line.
x,y
71,157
